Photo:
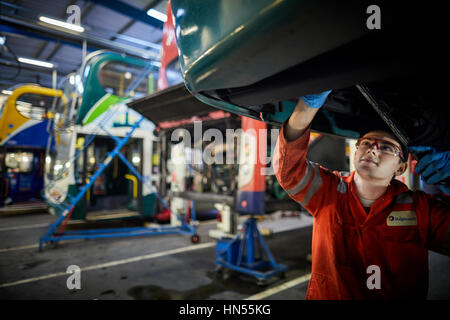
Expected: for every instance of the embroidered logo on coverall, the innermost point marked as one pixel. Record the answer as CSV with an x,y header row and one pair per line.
x,y
402,218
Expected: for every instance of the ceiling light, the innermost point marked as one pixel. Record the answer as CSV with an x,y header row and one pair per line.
x,y
7,92
62,24
37,62
157,15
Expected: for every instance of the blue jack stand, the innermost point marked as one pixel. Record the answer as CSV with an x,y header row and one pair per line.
x,y
244,253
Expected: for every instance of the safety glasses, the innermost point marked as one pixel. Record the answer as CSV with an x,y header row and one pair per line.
x,y
384,146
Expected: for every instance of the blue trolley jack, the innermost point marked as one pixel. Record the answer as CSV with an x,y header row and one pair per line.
x,y
53,236
245,253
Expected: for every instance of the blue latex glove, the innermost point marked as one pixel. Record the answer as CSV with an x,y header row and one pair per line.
x,y
315,101
434,166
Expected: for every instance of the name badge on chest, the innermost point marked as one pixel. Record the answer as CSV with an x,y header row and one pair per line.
x,y
402,218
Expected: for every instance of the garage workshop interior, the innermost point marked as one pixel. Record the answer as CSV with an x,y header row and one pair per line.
x,y
224,150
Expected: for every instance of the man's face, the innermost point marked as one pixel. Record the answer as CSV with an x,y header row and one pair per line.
x,y
371,162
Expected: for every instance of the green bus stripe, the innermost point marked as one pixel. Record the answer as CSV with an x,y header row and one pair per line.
x,y
102,106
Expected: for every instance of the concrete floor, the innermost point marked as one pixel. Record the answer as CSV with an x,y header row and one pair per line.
x,y
26,273
158,267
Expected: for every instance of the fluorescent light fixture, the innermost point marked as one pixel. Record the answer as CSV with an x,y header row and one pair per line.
x,y
138,41
62,24
157,15
7,92
36,62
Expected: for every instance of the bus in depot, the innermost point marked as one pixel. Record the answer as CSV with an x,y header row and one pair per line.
x,y
23,141
85,130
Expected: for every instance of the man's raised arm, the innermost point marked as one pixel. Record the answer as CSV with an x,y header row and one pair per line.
x,y
303,114
300,178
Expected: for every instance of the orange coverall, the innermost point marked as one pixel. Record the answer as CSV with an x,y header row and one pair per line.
x,y
395,235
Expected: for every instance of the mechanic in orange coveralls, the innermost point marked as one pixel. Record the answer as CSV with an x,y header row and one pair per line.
x,y
371,234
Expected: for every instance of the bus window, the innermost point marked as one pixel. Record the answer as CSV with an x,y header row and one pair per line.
x,y
124,80
58,160
65,112
33,106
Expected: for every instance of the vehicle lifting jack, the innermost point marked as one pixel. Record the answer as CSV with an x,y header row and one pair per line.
x,y
245,252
